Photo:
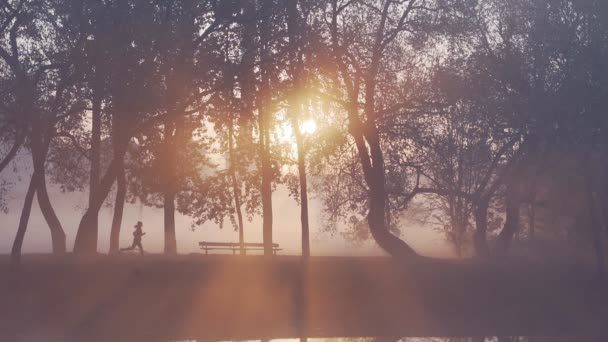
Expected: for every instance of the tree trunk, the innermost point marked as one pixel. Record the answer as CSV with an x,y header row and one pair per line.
x,y
239,214
377,225
236,188
95,153
266,192
295,61
169,210
264,123
303,199
87,234
19,140
23,221
119,203
532,221
39,147
168,178
365,135
511,225
596,234
57,233
86,238
480,243
372,163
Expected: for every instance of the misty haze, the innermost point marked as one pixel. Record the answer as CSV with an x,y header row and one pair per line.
x,y
348,170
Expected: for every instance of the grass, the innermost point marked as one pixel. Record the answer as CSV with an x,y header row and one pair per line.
x,y
225,297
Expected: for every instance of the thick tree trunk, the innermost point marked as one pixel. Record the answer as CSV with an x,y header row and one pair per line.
x,y
378,228
511,225
119,204
365,134
87,234
169,209
480,242
23,221
372,162
86,238
57,233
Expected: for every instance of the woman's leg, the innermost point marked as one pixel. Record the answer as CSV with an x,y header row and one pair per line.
x,y
129,248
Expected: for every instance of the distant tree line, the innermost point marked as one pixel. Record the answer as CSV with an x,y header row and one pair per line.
x,y
485,117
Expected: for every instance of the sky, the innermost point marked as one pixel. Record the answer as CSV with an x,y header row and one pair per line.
x,y
69,208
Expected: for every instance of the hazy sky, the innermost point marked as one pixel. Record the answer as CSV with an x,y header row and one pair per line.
x,y
70,206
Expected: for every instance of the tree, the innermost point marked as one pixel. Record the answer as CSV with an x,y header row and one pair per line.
x,y
362,37
131,83
43,81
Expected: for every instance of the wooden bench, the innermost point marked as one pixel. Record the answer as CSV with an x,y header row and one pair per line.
x,y
235,246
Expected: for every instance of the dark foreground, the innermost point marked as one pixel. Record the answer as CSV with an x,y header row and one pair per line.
x,y
156,298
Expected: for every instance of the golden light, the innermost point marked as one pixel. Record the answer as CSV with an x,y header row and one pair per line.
x,y
308,127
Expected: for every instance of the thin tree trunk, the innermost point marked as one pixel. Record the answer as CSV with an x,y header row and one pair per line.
x,y
235,187
532,221
266,192
480,243
23,221
95,154
303,200
295,111
264,122
532,209
40,148
119,204
503,241
169,193
169,210
57,233
20,139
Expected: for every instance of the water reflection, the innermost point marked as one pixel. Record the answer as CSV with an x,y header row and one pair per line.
x,y
424,339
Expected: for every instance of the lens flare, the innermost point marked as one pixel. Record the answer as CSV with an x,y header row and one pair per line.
x,y
309,126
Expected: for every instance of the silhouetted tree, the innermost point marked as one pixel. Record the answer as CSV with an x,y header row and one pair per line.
x,y
43,81
130,85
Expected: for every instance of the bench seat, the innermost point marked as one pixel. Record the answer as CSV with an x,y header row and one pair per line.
x,y
235,246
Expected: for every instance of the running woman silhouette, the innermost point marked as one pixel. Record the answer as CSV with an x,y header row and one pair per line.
x,y
137,234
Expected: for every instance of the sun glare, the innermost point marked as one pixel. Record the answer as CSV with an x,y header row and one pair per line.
x,y
309,126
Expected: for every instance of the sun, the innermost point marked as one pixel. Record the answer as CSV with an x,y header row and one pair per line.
x,y
308,127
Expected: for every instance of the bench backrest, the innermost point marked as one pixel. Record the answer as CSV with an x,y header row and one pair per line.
x,y
234,244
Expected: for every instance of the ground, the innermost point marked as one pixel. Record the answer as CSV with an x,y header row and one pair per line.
x,y
157,298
